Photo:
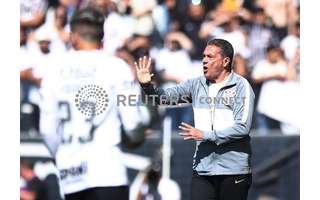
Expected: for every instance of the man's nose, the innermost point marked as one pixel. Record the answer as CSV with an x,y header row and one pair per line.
x,y
204,60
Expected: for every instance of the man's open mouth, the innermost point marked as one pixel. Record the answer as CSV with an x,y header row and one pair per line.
x,y
205,69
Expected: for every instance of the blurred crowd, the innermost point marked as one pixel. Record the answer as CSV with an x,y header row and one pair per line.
x,y
265,35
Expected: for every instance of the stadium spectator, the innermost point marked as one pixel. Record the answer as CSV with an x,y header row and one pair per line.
x,y
174,57
138,45
23,38
191,24
86,145
40,53
280,79
60,23
31,188
282,12
241,66
57,29
161,16
36,55
118,27
142,13
168,16
72,6
273,67
135,47
260,36
125,54
213,20
29,112
170,62
36,51
234,33
32,13
294,67
177,10
31,77
291,42
211,5
231,6
25,66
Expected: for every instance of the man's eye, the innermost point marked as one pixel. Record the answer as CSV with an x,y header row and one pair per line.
x,y
207,56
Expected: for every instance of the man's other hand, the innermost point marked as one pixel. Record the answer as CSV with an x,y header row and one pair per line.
x,y
190,133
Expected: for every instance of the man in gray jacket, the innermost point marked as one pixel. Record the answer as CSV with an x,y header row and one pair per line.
x,y
223,104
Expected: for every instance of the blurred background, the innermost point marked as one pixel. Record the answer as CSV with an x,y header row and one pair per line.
x,y
265,35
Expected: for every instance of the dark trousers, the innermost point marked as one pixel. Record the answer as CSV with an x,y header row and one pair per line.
x,y
101,193
220,187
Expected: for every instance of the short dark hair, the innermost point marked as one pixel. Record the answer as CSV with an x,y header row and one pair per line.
x,y
226,48
258,10
272,47
88,23
27,163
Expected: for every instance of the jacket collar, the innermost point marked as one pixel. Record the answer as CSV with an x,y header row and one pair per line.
x,y
232,80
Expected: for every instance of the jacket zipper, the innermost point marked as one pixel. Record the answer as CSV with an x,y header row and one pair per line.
x,y
212,118
213,109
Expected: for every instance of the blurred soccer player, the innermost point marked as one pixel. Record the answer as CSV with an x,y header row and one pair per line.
x,y
82,127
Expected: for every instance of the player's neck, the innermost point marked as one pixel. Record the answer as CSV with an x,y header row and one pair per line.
x,y
87,46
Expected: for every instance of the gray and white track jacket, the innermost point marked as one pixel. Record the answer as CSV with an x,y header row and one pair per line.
x,y
225,121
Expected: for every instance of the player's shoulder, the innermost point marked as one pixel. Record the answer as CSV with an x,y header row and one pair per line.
x,y
116,68
116,61
52,63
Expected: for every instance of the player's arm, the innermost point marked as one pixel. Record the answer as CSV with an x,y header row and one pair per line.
x,y
134,116
49,116
181,93
133,129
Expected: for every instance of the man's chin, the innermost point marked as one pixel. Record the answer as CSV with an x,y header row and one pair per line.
x,y
206,75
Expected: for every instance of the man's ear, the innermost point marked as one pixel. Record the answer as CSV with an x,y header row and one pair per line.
x,y
226,61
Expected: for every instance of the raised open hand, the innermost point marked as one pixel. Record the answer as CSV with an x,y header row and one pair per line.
x,y
143,70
